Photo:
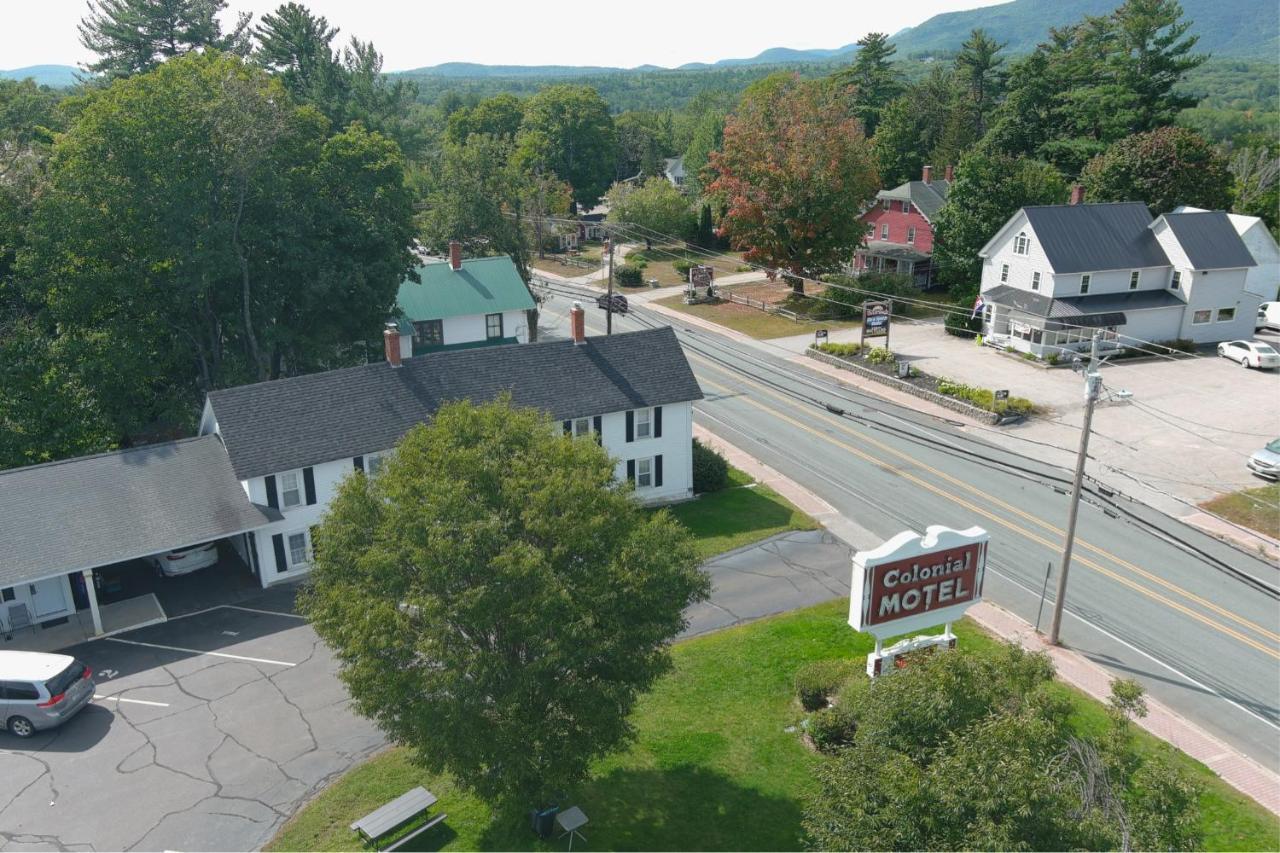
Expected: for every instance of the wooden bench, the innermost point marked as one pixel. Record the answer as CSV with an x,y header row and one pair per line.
x,y
395,814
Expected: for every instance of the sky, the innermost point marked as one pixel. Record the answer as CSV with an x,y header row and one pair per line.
x,y
413,34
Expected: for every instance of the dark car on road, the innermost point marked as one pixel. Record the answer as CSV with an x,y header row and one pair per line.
x,y
619,303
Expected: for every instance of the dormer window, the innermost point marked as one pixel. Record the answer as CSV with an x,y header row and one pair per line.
x,y
1133,279
1021,243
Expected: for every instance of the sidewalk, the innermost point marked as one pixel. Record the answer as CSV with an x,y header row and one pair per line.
x,y
1237,770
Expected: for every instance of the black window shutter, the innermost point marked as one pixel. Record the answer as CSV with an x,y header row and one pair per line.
x,y
277,542
273,500
253,555
657,422
568,427
309,483
596,424
631,426
358,463
657,470
631,470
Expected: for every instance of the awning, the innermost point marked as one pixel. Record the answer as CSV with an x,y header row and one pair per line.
x,y
1086,321
897,251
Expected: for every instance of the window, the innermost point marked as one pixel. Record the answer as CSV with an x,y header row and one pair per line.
x,y
644,423
1004,273
18,691
906,207
372,463
299,549
886,204
428,333
884,231
1133,279
1226,315
1176,281
1084,282
290,490
911,234
6,594
582,426
1021,244
1035,281
492,326
644,473
1201,317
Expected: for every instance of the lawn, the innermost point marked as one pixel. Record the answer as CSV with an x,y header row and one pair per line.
x,y
1257,509
752,321
712,767
660,259
743,513
553,264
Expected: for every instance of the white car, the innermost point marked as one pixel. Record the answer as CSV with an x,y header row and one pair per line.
x,y
1266,462
184,561
1250,354
1268,317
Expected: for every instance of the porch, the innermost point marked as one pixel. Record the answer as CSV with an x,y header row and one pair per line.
x,y
886,257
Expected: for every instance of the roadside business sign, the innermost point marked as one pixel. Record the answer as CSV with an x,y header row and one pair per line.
x,y
819,335
701,275
1002,394
913,582
875,320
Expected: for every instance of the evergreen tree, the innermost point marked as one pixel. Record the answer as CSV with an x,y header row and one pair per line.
x,y
874,80
296,45
132,36
978,66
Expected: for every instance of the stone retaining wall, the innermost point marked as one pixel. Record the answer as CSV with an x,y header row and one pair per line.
x,y
972,411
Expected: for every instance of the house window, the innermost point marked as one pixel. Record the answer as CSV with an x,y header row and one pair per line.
x,y
1201,317
493,326
1176,281
299,549
884,231
1226,315
1021,244
911,234
582,426
1004,273
290,489
906,207
644,424
372,464
1035,281
428,333
644,473
6,594
886,204
1133,279
1084,282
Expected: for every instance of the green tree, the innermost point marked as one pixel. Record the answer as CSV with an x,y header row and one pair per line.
x,y
498,116
568,130
654,205
988,188
899,142
644,142
978,66
1154,55
132,36
298,46
1164,168
1256,173
874,80
498,600
794,172
707,136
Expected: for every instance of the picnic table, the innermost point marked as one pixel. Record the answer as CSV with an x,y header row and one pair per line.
x,y
396,814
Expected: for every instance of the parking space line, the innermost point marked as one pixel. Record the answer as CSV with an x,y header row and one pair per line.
x,y
200,652
133,701
263,612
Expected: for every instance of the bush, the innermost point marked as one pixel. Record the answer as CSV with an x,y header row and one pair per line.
x,y
984,398
1179,345
683,266
710,469
817,680
962,324
832,728
1030,356
1053,358
880,355
628,276
637,261
840,350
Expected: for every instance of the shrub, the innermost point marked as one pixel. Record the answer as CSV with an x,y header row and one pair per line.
x,y
744,268
683,266
1179,345
710,469
628,275
962,324
1010,348
637,261
1030,356
849,350
880,355
1053,358
817,680
832,728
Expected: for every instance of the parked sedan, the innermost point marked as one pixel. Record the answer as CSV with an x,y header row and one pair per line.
x,y
619,303
1250,354
1266,462
40,691
184,561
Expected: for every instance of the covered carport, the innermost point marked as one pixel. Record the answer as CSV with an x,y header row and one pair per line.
x,y
60,522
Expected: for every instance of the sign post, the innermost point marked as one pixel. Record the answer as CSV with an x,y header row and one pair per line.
x,y
1001,399
875,321
913,582
820,336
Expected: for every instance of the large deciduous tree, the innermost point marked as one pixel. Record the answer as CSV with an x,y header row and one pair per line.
x,y
1164,168
132,36
498,600
499,116
794,171
568,130
655,206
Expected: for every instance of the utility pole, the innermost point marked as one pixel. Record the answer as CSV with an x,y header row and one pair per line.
x,y
1092,380
608,312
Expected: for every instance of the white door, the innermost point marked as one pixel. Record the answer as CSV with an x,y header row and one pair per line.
x,y
48,597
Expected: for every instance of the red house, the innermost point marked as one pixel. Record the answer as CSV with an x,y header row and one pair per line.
x,y
900,229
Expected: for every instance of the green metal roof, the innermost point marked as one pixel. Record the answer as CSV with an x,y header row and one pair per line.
x,y
482,286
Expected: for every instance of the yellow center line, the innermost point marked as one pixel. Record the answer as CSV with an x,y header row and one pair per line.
x,y
1249,641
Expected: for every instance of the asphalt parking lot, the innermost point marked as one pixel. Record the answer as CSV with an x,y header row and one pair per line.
x,y
206,733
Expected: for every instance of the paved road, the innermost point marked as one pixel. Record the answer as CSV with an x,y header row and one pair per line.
x,y
1196,621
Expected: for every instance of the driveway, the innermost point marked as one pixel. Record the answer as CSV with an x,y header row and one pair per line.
x,y
207,732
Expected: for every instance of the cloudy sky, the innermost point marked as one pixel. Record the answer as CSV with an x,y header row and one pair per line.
x,y
411,33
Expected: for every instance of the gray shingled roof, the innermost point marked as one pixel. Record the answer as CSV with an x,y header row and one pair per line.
x,y
928,198
1209,239
86,512
304,420
1096,237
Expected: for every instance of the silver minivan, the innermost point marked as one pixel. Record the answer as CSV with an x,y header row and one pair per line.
x,y
41,691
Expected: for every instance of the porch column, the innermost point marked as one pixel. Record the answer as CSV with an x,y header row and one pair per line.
x,y
93,602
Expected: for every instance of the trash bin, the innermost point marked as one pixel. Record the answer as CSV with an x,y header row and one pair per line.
x,y
543,821
653,282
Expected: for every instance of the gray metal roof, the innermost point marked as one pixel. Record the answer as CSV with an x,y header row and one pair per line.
x,y
1079,306
1087,321
89,511
1209,239
1096,237
305,420
1018,299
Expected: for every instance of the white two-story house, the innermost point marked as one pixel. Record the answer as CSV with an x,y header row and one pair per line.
x,y
1053,275
292,441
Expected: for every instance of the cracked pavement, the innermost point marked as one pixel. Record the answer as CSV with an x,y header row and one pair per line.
x,y
223,736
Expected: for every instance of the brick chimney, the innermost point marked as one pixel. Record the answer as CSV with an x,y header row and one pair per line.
x,y
1077,193
951,173
578,324
455,255
391,344
928,175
